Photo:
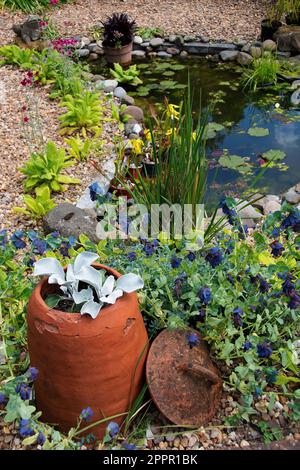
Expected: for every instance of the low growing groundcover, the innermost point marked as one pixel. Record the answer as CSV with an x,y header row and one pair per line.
x,y
241,294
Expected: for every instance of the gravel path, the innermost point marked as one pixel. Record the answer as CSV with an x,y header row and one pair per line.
x,y
15,151
217,19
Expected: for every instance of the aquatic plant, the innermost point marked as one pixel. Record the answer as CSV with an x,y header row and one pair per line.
x,y
263,71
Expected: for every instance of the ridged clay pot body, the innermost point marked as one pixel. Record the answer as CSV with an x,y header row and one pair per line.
x,y
86,362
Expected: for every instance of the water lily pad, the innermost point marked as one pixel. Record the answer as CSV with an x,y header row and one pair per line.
x,y
274,155
168,73
258,131
234,162
143,91
212,128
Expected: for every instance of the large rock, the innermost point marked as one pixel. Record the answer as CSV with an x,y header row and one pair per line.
x,y
292,196
30,30
269,45
135,112
249,215
229,56
244,59
69,220
295,98
256,52
288,39
155,42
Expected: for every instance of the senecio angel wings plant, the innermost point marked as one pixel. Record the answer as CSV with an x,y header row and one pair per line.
x,y
98,289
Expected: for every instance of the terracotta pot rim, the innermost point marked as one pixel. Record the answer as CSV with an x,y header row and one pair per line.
x,y
77,316
107,48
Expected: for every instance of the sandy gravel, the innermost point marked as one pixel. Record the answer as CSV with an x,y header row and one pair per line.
x,y
14,150
217,19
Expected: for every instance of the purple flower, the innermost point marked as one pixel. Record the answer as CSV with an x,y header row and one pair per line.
x,y
294,301
264,349
41,439
288,286
191,256
230,279
204,295
247,345
193,340
32,374
17,239
214,256
175,262
95,191
87,414
148,249
231,213
237,316
202,314
3,238
3,398
276,232
24,390
132,255
54,234
276,248
271,376
113,429
40,246
128,446
25,430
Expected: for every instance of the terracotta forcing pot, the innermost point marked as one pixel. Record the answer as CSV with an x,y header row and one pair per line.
x,y
121,55
84,362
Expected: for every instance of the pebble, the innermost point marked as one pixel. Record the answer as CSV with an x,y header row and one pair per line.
x,y
244,443
156,42
232,435
83,53
164,54
120,92
138,54
137,40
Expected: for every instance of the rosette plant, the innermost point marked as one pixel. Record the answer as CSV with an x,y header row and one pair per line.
x,y
89,288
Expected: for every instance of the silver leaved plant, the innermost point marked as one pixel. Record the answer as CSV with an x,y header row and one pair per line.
x,y
101,289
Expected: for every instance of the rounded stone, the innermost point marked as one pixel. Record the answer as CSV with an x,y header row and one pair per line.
x,y
137,40
173,50
93,56
156,42
256,52
164,54
183,54
128,100
135,112
295,98
138,54
244,59
120,93
228,56
109,84
83,53
269,45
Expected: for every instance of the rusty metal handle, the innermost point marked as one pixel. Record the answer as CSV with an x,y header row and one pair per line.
x,y
201,372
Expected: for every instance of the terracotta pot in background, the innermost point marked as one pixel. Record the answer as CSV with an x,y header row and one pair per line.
x,y
84,362
120,55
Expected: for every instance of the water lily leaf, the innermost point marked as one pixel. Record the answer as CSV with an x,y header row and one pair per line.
x,y
274,155
168,73
143,91
177,66
258,131
212,128
167,84
234,162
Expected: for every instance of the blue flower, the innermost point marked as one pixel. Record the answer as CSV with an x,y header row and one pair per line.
x,y
3,238
276,232
264,286
237,316
257,392
32,235
31,262
191,256
231,213
175,262
247,345
87,414
202,314
72,240
113,429
214,256
40,246
24,390
17,239
230,279
288,286
294,301
155,243
128,446
271,376
192,339
148,249
95,191
25,430
54,234
41,439
276,249
204,295
264,349
132,256
3,398
32,374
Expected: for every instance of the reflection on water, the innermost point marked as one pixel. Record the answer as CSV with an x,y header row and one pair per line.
x,y
240,111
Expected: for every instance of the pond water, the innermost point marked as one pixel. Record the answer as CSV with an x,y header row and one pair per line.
x,y
236,111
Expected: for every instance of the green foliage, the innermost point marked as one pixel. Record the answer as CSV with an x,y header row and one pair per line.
x,y
15,55
149,33
39,206
83,115
129,75
28,6
262,71
78,148
43,169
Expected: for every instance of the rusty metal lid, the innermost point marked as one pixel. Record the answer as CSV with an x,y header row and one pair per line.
x,y
184,383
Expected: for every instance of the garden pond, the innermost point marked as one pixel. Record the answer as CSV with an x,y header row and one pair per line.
x,y
247,129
